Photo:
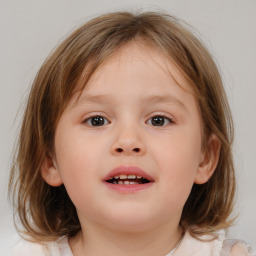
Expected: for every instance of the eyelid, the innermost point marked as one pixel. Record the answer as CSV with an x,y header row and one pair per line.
x,y
169,122
165,115
91,115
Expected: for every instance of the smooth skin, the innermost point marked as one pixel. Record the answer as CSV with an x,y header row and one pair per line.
x,y
133,89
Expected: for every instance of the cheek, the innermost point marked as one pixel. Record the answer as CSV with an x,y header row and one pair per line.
x,y
77,160
76,150
178,161
81,162
181,151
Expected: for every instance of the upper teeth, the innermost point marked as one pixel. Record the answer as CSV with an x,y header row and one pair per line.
x,y
124,177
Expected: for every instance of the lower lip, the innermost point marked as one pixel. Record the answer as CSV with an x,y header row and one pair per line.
x,y
132,188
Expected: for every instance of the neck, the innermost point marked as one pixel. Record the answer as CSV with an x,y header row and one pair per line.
x,y
95,239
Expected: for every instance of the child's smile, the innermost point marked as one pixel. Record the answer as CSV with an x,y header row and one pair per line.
x,y
128,179
129,151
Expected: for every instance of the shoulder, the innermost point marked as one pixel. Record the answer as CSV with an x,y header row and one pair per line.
x,y
210,245
239,250
234,247
26,248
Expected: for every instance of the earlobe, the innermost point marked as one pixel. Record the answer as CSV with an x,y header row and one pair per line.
x,y
50,173
209,161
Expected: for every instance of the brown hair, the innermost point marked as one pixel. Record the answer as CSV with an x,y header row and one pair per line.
x,y
47,212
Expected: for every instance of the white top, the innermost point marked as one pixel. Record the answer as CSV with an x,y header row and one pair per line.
x,y
188,246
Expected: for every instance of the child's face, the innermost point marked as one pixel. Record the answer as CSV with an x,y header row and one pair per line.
x,y
132,116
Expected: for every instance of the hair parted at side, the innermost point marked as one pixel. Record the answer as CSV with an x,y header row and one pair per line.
x,y
46,212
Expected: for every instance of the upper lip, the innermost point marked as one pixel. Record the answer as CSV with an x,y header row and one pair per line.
x,y
128,170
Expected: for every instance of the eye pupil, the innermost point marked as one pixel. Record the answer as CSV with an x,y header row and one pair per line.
x,y
158,121
97,121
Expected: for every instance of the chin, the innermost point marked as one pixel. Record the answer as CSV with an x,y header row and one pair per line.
x,y
129,221
130,227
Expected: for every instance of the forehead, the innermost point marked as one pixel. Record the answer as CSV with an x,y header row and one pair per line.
x,y
135,61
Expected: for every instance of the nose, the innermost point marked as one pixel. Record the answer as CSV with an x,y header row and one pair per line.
x,y
128,141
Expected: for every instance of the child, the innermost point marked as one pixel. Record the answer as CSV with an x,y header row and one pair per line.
x,y
125,146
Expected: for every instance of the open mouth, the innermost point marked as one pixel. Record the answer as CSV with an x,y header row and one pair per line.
x,y
127,179
130,179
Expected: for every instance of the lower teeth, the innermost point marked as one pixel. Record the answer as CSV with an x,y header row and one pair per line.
x,y
125,182
128,182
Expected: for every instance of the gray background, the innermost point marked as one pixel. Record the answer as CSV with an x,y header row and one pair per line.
x,y
30,30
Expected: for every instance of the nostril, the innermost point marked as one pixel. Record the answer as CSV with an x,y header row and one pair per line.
x,y
120,150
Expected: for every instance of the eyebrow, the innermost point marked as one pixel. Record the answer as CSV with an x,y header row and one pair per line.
x,y
101,99
93,99
164,99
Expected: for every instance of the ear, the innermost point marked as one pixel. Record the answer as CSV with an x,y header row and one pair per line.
x,y
209,161
50,172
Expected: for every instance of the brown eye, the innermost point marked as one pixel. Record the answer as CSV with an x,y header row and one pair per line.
x,y
96,121
159,121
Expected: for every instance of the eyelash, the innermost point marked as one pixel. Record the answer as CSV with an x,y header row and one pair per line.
x,y
89,119
169,120
94,116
